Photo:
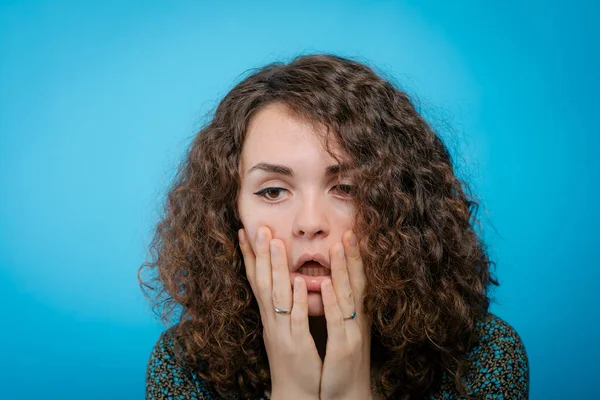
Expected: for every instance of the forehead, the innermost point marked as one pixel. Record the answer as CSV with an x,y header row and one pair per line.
x,y
275,134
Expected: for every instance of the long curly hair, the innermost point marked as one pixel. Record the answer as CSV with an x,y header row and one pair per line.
x,y
428,272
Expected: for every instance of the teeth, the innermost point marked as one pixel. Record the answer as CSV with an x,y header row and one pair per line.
x,y
314,271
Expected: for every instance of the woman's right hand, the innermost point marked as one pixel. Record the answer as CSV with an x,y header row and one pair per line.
x,y
294,362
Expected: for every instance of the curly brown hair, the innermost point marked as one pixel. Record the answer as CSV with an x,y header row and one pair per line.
x,y
428,272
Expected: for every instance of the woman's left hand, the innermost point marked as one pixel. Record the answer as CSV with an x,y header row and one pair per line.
x,y
346,372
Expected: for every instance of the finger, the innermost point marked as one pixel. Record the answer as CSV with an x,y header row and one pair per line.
x,y
250,266
249,258
341,280
264,283
356,270
282,290
299,322
336,330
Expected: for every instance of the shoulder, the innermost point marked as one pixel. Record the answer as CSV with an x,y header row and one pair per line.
x,y
167,377
499,363
500,357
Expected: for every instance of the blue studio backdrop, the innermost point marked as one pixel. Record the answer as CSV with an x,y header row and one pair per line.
x,y
98,101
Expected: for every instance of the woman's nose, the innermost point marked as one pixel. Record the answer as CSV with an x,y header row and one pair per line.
x,y
312,218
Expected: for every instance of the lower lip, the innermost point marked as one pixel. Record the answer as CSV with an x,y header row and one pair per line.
x,y
313,283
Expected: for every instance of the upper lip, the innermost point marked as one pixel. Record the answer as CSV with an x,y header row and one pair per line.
x,y
311,257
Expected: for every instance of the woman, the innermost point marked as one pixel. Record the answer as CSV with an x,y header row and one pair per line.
x,y
317,244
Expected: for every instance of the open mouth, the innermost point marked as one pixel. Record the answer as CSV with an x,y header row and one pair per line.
x,y
313,274
313,268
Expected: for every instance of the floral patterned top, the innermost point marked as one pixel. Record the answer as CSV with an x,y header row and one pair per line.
x,y
499,369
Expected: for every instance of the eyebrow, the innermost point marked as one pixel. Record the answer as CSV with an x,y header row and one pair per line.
x,y
287,171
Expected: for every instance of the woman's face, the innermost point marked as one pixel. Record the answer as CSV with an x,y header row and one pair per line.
x,y
310,212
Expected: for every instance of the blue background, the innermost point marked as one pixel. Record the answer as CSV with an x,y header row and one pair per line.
x,y
99,101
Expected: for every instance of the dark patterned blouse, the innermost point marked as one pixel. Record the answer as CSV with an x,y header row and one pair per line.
x,y
499,369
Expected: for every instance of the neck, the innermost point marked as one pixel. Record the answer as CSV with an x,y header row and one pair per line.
x,y
318,330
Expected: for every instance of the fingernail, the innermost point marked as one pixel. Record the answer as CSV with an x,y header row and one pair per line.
x,y
297,283
274,248
341,251
262,236
353,240
242,237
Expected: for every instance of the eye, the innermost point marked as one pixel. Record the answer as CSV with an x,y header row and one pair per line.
x,y
267,192
347,190
272,193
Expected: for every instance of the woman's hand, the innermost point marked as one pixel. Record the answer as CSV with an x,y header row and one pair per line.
x,y
294,362
347,364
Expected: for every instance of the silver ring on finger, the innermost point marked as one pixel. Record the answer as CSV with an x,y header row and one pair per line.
x,y
351,316
280,311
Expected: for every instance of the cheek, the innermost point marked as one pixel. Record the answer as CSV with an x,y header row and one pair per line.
x,y
253,217
345,215
249,219
342,223
253,220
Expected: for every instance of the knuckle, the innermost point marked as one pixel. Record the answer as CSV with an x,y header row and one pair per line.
x,y
275,266
300,302
330,308
261,259
260,253
356,259
263,283
298,318
347,297
278,296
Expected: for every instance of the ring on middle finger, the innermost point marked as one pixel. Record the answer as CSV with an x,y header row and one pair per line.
x,y
276,253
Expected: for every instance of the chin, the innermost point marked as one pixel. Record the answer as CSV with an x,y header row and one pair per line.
x,y
315,304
